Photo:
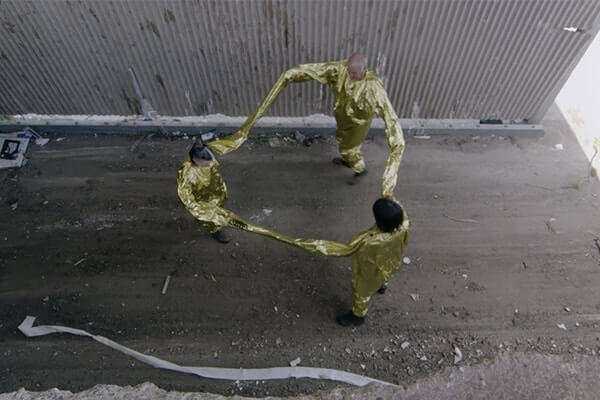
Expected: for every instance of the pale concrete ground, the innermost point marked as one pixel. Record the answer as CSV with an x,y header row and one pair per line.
x,y
502,246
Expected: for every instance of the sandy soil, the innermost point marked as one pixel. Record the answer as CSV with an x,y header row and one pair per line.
x,y
503,248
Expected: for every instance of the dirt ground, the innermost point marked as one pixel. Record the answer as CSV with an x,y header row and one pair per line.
x,y
504,248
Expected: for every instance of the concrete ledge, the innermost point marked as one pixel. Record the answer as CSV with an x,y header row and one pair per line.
x,y
318,124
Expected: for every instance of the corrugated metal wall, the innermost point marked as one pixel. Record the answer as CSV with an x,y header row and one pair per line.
x,y
438,58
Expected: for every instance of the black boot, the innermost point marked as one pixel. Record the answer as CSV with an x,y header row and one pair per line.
x,y
221,237
341,161
382,289
356,177
349,319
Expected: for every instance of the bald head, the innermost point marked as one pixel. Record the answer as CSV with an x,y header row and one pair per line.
x,y
357,66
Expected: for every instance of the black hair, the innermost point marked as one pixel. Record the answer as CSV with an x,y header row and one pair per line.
x,y
200,152
388,214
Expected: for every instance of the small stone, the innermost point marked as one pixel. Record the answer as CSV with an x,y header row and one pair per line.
x,y
405,345
274,141
278,341
216,355
308,142
363,367
458,356
562,326
299,137
406,260
347,350
423,358
295,362
414,296
567,309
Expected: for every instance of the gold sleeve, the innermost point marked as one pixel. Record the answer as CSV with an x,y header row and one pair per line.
x,y
325,73
395,138
201,199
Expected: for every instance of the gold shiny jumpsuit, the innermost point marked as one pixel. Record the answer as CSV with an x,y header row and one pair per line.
x,y
203,192
378,257
356,102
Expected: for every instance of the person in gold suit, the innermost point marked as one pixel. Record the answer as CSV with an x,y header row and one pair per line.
x,y
376,254
359,95
201,189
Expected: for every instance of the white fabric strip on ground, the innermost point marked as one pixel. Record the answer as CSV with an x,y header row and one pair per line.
x,y
240,374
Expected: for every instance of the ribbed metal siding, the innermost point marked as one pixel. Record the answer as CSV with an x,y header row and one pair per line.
x,y
438,58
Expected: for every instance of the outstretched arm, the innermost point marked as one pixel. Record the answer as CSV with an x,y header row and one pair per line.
x,y
207,212
324,247
324,73
395,139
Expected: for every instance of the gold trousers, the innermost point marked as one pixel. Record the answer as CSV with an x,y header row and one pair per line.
x,y
350,137
366,280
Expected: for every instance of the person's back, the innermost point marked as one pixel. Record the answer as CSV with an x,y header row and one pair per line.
x,y
384,250
205,181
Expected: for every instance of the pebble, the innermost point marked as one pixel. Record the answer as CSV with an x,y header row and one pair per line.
x,y
406,260
404,345
347,350
274,142
458,356
295,362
